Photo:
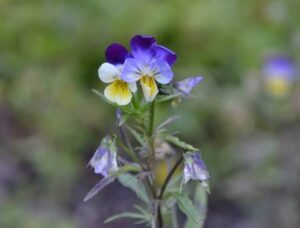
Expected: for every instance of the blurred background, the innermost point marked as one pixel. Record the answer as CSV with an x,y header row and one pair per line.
x,y
245,116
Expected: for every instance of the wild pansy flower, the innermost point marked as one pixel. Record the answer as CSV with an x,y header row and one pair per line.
x,y
279,73
194,168
118,91
150,63
185,86
104,161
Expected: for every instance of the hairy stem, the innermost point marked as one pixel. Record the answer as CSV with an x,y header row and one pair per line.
x,y
157,216
150,139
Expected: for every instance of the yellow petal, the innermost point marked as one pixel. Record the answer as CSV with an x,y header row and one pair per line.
x,y
118,92
149,88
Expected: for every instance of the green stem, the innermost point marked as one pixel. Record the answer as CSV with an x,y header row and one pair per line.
x,y
157,216
151,121
150,138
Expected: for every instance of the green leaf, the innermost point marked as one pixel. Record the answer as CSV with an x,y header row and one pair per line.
x,y
163,98
136,135
98,187
133,215
177,142
200,201
99,94
135,185
167,122
143,211
128,168
187,207
123,119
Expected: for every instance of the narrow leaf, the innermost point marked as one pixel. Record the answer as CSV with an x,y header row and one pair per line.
x,y
200,201
136,135
98,187
125,215
135,185
99,94
123,119
187,207
143,211
163,98
167,122
177,142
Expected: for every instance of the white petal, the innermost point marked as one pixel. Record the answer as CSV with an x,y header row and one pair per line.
x,y
186,175
132,87
117,94
108,73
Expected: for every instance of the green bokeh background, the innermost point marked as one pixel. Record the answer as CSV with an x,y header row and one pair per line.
x,y
51,122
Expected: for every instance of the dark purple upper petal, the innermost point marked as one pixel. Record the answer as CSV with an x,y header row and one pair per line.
x,y
141,48
116,54
166,54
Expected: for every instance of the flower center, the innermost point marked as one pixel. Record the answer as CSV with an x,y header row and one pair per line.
x,y
148,80
120,85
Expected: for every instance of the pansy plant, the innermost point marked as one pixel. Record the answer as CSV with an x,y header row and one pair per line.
x,y
135,78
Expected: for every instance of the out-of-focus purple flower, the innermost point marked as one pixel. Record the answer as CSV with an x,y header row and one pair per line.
x,y
279,66
185,86
194,168
150,63
104,161
279,72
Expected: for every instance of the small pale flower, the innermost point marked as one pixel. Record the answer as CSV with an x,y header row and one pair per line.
x,y
150,63
194,168
279,73
185,86
104,161
118,91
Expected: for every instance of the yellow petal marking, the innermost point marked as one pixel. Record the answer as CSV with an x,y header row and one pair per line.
x,y
118,92
149,88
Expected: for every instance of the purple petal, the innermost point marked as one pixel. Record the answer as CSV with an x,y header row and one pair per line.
x,y
198,161
141,48
162,71
195,167
188,84
116,54
104,160
131,71
166,54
